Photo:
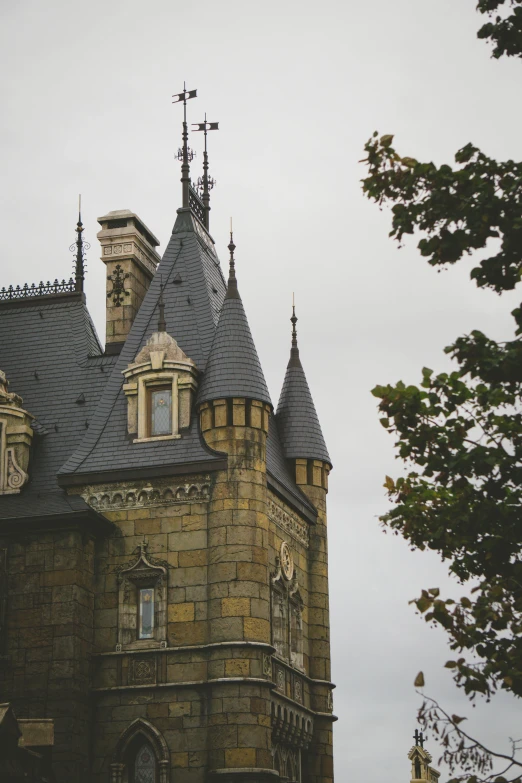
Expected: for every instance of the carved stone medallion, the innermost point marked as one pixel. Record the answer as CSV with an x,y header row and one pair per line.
x,y
287,561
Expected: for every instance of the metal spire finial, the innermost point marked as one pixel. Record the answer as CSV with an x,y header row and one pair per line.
x,y
419,738
206,183
293,319
162,325
294,350
79,247
232,290
185,155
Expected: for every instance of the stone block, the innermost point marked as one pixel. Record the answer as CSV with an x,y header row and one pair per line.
x,y
179,613
235,607
253,735
256,629
194,539
221,572
179,760
252,572
226,628
187,633
240,757
223,737
180,709
239,667
195,557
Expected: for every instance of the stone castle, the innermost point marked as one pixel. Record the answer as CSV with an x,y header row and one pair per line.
x,y
163,539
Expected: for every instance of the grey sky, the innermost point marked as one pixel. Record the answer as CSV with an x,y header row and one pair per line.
x,y
297,87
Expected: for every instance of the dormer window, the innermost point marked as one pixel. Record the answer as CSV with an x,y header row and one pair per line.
x,y
160,387
160,411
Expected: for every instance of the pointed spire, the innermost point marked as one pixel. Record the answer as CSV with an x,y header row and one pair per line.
x,y
233,366
79,247
297,420
162,325
232,289
294,351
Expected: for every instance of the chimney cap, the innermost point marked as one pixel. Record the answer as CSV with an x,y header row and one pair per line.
x,y
125,214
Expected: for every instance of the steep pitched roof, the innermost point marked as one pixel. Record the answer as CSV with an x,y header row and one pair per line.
x,y
50,354
233,368
297,420
193,290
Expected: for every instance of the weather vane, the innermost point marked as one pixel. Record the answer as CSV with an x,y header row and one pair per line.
x,y
205,183
184,154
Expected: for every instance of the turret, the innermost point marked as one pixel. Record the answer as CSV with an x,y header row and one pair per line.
x,y
306,453
234,412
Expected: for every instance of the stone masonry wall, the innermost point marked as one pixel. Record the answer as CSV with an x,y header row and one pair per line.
x,y
45,673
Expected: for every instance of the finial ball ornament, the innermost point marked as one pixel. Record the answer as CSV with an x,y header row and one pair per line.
x,y
287,561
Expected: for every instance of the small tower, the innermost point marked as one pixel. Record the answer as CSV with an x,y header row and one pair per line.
x,y
306,453
235,408
420,762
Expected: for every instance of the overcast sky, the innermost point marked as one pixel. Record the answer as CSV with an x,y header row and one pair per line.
x,y
297,87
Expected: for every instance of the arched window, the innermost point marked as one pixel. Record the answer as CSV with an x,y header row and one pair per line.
x,y
144,765
141,755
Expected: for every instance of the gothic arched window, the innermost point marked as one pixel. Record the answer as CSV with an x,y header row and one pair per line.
x,y
144,765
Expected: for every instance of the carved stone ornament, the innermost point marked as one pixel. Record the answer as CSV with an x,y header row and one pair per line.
x,y
289,522
267,665
287,561
141,494
142,671
160,363
16,435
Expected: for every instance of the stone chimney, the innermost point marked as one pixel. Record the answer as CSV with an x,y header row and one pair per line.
x,y
128,251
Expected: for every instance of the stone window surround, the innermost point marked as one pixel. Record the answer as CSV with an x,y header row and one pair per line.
x,y
146,384
140,378
142,572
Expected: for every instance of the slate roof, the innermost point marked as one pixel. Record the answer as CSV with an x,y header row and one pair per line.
x,y
233,368
52,357
193,291
297,420
50,354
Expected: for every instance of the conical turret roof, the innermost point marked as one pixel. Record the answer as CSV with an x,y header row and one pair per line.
x,y
297,420
233,367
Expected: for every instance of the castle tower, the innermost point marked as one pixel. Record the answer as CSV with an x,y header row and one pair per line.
x,y
164,562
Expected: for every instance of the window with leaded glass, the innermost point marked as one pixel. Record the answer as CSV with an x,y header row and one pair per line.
x,y
160,411
145,765
146,613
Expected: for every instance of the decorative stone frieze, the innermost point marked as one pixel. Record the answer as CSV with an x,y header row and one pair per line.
x,y
16,435
127,495
289,523
161,364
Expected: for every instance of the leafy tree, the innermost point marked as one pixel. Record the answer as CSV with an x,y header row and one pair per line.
x,y
460,433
